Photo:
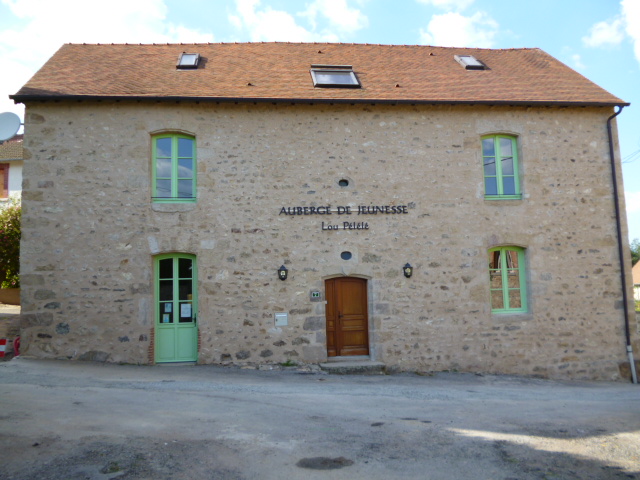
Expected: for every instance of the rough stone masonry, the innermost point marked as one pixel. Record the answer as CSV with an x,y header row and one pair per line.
x,y
91,231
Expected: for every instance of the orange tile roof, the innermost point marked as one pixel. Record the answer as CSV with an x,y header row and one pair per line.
x,y
12,149
280,72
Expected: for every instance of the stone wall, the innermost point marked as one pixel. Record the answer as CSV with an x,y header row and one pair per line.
x,y
91,231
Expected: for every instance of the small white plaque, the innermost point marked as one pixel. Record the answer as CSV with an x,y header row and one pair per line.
x,y
282,319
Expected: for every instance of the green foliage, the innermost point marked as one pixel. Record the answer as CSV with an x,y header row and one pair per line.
x,y
635,251
10,214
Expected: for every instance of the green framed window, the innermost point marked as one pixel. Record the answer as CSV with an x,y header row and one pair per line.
x,y
507,277
174,168
500,163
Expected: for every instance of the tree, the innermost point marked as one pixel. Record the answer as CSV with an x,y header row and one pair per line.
x,y
10,215
635,251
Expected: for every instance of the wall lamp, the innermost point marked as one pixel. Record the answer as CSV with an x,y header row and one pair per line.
x,y
407,270
282,273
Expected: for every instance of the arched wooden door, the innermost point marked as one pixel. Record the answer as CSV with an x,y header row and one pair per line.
x,y
347,317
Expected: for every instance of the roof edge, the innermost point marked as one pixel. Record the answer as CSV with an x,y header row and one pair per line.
x,y
17,98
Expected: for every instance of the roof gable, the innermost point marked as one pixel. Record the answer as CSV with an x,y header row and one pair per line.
x,y
281,72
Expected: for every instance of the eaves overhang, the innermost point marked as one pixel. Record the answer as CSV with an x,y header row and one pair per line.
x,y
309,101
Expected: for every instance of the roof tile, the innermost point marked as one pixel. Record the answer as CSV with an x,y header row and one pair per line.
x,y
280,71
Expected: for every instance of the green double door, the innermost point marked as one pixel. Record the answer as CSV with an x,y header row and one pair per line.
x,y
176,330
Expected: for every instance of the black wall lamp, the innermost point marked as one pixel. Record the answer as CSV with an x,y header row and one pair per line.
x,y
282,273
407,270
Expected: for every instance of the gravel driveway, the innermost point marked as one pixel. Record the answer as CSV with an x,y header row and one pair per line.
x,y
86,421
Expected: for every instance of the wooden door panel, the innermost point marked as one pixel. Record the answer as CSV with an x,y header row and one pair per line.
x,y
347,317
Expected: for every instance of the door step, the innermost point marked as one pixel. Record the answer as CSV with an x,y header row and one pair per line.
x,y
354,367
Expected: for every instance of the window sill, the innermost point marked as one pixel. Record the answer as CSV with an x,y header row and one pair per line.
x,y
173,207
508,317
503,200
503,197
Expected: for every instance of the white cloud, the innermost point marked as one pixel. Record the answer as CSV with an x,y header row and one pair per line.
x,y
338,13
456,30
632,200
631,14
577,62
45,25
266,24
613,32
605,33
448,4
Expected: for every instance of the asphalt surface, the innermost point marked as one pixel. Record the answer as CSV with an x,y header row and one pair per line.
x,y
64,420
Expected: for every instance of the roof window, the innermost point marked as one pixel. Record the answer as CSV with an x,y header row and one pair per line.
x,y
334,76
188,60
469,62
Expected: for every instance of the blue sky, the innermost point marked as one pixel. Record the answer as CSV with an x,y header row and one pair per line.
x,y
598,38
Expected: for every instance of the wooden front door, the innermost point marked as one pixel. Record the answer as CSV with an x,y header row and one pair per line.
x,y
347,318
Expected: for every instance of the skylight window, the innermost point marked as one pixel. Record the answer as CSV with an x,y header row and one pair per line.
x,y
334,76
469,62
188,60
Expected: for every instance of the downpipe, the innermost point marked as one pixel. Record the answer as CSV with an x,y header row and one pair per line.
x,y
625,300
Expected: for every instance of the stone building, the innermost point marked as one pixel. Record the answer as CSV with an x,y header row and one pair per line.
x,y
166,185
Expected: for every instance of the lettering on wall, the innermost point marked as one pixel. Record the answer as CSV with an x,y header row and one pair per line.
x,y
340,210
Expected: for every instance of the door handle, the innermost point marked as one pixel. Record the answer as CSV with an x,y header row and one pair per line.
x,y
340,315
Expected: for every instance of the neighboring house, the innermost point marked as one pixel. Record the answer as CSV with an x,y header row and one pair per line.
x,y
11,162
162,195
636,281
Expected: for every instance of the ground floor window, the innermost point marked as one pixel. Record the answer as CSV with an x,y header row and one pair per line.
x,y
507,278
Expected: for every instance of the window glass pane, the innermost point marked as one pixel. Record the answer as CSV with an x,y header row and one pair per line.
x,y
505,147
166,290
490,186
507,166
496,279
494,260
186,312
515,300
488,147
186,289
166,312
185,168
335,78
185,268
163,188
163,168
188,59
497,301
163,147
185,147
489,165
513,277
508,186
185,188
166,268
512,259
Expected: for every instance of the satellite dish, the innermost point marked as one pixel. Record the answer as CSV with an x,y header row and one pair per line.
x,y
9,125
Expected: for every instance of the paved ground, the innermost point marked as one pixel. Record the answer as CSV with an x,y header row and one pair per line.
x,y
86,421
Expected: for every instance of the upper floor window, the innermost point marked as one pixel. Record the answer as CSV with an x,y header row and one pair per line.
x,y
500,160
334,76
507,278
174,168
